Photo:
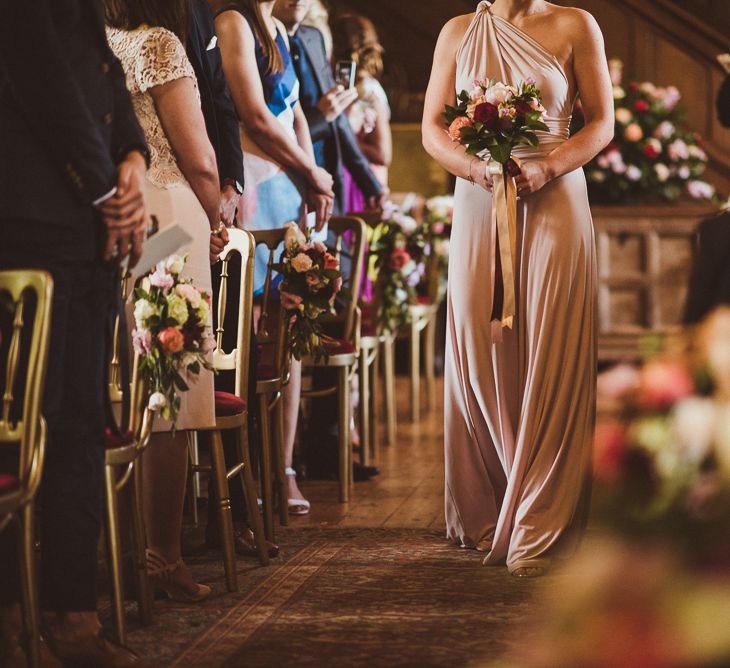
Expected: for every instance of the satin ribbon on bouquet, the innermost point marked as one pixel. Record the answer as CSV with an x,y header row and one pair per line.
x,y
504,217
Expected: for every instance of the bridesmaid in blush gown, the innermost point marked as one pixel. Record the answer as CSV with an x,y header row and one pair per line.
x,y
520,403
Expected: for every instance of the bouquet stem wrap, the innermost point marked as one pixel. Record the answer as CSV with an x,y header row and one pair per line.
x,y
504,217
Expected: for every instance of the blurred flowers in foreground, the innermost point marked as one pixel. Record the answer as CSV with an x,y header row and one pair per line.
x,y
651,587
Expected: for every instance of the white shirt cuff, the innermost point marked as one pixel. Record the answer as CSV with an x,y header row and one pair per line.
x,y
104,198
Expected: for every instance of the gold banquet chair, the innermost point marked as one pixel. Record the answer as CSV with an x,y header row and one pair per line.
x,y
349,241
272,375
232,410
122,473
25,428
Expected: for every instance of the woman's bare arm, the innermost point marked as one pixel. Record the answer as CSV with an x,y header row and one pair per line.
x,y
238,54
442,91
182,120
377,146
590,69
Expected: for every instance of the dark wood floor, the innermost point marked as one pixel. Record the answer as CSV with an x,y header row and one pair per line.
x,y
408,493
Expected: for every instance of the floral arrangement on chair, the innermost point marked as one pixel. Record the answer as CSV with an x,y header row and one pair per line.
x,y
311,280
171,333
439,215
650,155
398,252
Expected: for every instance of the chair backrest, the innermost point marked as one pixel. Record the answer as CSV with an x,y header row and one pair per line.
x,y
139,420
346,241
21,424
271,329
241,243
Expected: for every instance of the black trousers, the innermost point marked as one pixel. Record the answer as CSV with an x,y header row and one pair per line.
x,y
71,495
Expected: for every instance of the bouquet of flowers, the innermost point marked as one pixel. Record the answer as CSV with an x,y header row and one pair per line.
x,y
171,333
493,118
439,214
490,121
311,280
397,251
662,453
650,155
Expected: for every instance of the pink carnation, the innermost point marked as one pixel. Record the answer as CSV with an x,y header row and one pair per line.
x,y
662,383
142,341
456,126
161,278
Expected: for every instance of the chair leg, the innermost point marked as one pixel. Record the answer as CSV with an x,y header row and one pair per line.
x,y
415,350
280,466
194,477
144,593
430,362
345,443
363,374
267,494
114,550
29,585
225,517
389,371
249,490
374,407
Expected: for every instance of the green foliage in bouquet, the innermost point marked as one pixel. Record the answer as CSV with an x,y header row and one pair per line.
x,y
311,281
171,334
494,118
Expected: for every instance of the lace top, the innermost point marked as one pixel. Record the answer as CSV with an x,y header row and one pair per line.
x,y
152,57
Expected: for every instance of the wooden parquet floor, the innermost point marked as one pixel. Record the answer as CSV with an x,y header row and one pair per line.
x,y
408,493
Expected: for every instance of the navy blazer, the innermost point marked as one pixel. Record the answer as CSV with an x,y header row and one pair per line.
x,y
66,120
341,145
221,120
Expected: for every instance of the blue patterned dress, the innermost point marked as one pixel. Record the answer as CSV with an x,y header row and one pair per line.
x,y
272,196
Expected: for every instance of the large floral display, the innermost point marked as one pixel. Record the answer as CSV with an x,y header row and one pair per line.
x,y
652,157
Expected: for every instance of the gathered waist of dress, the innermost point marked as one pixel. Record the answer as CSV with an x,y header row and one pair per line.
x,y
559,132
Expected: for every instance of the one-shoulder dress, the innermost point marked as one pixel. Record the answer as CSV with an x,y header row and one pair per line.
x,y
519,412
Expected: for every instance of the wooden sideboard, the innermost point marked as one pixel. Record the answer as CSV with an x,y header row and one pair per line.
x,y
645,256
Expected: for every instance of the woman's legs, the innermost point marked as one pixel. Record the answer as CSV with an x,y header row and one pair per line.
x,y
292,395
164,473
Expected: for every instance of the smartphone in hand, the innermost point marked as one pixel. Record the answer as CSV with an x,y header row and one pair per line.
x,y
345,73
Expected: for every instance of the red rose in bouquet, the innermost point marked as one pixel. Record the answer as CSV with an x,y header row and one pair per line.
x,y
487,114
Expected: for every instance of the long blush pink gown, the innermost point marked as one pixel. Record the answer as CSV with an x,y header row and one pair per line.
x,y
520,411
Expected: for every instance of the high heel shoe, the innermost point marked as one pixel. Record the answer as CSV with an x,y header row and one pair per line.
x,y
174,580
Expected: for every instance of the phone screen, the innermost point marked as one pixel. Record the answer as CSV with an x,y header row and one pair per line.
x,y
345,73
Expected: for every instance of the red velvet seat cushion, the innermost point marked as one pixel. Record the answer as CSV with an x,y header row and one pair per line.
x,y
338,346
369,326
8,483
227,405
111,440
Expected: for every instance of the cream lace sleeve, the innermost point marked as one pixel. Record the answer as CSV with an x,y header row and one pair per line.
x,y
162,59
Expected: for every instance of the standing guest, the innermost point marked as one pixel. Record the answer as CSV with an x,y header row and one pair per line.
x,y
221,122
283,179
324,103
72,169
318,17
182,187
356,39
335,148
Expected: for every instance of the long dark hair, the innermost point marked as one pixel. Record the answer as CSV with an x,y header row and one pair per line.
x,y
130,14
252,9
